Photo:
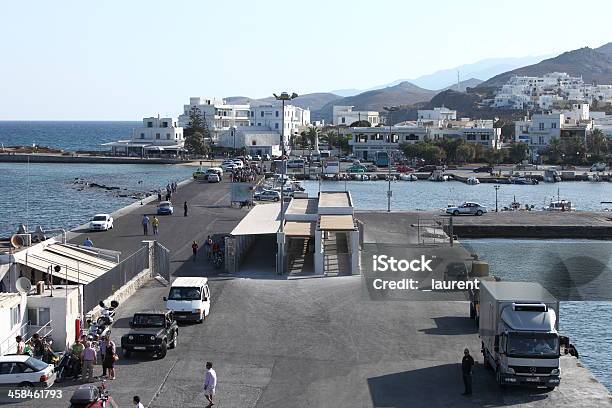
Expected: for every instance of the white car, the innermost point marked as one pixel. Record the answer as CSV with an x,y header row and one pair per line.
x,y
267,195
101,222
25,371
467,208
229,166
213,178
239,163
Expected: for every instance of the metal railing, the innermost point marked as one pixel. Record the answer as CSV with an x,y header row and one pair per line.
x,y
6,347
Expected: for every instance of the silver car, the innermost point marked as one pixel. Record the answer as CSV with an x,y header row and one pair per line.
x,y
467,208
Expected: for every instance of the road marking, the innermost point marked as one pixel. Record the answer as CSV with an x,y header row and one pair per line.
x,y
162,384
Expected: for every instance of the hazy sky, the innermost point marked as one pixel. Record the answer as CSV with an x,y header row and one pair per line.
x,y
122,60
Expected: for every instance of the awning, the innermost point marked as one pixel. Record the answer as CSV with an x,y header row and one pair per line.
x,y
75,266
262,219
303,229
336,223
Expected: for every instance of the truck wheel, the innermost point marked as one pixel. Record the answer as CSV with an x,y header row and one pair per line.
x,y
164,350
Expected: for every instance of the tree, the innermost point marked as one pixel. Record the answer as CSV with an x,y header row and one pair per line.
x,y
361,123
518,152
196,120
554,150
464,153
597,143
195,144
574,149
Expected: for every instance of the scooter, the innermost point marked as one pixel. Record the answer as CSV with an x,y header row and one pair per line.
x,y
69,366
91,396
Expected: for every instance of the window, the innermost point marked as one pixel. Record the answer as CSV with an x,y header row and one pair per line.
x,y
142,135
168,136
276,126
39,316
262,114
553,125
252,113
277,114
15,315
157,135
149,124
484,137
412,136
258,124
343,120
541,126
164,124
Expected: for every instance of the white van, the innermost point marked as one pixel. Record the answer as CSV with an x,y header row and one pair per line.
x,y
189,299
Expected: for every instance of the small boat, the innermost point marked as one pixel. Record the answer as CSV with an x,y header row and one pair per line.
x,y
472,181
438,175
551,176
559,205
594,178
365,177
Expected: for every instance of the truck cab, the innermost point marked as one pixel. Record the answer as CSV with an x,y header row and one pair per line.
x,y
518,325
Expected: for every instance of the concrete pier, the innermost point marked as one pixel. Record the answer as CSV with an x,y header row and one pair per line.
x,y
312,342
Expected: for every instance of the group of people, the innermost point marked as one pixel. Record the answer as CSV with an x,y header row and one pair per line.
x,y
154,223
211,246
85,354
171,188
35,347
243,175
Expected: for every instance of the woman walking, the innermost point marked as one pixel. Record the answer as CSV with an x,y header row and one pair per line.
x,y
108,364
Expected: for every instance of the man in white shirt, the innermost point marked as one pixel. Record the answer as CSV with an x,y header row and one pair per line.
x,y
210,383
137,403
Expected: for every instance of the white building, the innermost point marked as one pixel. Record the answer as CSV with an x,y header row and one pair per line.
x,y
12,320
219,115
602,122
155,136
366,141
523,92
257,140
437,117
345,115
271,116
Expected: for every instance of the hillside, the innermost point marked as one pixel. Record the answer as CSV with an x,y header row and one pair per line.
x,y
403,93
592,65
463,85
313,101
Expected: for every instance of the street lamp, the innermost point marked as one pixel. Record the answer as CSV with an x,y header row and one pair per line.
x,y
284,96
496,187
389,109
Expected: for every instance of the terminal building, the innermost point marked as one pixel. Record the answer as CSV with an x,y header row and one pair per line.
x,y
156,136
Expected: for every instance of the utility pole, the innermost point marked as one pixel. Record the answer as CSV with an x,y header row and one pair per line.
x,y
280,269
389,109
496,187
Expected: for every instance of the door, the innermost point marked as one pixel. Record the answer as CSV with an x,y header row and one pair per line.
x,y
365,155
206,300
11,374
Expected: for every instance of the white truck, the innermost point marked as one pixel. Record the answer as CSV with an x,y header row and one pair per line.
x,y
518,323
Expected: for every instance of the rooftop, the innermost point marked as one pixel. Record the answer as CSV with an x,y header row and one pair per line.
x,y
8,300
302,206
334,199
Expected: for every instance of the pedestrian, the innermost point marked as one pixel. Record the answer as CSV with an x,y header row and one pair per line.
x,y
155,224
168,195
185,208
89,359
208,243
466,367
20,345
194,248
210,383
37,346
137,403
145,224
159,195
108,362
88,242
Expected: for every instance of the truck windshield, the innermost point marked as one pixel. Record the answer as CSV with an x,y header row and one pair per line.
x,y
149,320
533,345
184,294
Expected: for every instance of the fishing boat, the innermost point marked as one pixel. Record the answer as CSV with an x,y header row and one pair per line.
x,y
522,180
472,181
438,175
408,177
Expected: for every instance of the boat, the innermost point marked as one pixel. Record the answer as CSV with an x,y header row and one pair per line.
x,y
559,205
472,181
438,175
593,178
365,177
551,176
408,177
522,180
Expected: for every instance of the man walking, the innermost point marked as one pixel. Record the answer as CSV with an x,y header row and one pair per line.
x,y
137,403
208,244
210,384
155,224
145,224
466,367
89,359
194,249
185,208
88,242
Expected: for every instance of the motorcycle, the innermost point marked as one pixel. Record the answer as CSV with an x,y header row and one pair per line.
x,y
218,259
91,396
69,366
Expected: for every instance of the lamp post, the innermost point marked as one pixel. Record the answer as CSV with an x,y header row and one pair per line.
x,y
389,109
284,96
496,187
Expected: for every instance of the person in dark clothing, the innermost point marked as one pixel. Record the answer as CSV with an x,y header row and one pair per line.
x,y
185,208
466,368
194,248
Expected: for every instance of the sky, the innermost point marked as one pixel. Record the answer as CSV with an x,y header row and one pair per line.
x,y
124,60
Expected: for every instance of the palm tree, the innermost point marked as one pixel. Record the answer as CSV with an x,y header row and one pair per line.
x,y
597,143
554,149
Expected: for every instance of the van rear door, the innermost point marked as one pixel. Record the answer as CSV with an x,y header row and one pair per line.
x,y
206,300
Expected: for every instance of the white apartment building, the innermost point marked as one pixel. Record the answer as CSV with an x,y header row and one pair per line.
x,y
523,92
345,115
296,119
156,135
602,122
435,117
219,115
257,140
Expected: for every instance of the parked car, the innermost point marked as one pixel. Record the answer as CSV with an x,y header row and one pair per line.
x,y
356,168
295,163
427,169
346,159
370,167
165,208
214,170
468,208
598,167
213,178
101,222
153,332
404,169
483,169
25,371
257,157
267,157
267,195
229,166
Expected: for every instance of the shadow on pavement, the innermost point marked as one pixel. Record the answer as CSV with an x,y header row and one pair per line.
x,y
442,386
452,325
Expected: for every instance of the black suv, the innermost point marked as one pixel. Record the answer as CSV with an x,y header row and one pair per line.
x,y
154,332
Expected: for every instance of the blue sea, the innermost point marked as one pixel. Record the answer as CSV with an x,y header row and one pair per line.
x,y
70,136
